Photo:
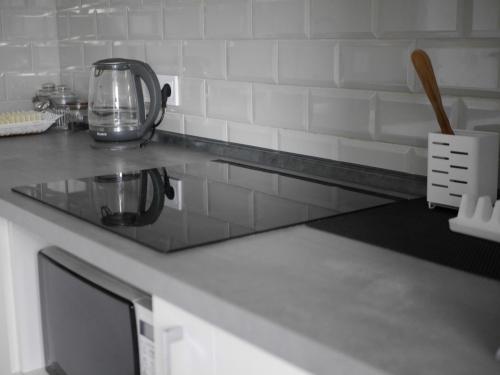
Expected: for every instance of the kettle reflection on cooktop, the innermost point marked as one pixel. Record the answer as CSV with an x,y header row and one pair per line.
x,y
198,203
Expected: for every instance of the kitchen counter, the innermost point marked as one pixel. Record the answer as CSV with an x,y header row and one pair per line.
x,y
328,304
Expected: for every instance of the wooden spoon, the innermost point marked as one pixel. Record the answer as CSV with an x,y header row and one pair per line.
x,y
423,66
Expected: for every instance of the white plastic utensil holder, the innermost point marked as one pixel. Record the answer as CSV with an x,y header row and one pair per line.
x,y
463,163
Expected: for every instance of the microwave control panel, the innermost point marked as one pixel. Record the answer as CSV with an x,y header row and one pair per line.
x,y
145,335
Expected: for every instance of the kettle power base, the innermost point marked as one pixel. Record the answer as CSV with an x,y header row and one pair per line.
x,y
116,146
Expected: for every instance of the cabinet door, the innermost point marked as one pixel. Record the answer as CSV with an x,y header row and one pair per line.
x,y
190,354
206,349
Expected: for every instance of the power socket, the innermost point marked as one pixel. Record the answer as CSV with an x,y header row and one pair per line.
x,y
175,203
173,81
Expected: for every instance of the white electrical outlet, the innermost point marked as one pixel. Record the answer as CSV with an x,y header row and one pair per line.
x,y
175,203
173,81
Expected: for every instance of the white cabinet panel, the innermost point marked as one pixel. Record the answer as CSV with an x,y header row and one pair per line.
x,y
207,350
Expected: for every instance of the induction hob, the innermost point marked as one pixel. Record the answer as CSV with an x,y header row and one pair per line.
x,y
183,206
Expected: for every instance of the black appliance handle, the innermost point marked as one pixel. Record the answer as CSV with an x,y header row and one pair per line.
x,y
143,71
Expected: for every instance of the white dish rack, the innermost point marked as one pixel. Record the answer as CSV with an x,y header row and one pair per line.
x,y
463,163
25,122
478,218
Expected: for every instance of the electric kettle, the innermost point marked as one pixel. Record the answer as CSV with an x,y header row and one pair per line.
x,y
116,108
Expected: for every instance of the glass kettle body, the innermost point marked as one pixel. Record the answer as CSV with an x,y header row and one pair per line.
x,y
117,111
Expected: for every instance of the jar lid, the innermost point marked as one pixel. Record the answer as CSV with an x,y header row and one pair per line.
x,y
63,96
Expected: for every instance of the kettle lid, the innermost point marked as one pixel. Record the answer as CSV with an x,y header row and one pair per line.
x,y
113,64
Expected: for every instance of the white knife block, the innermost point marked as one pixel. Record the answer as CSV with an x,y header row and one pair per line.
x,y
464,163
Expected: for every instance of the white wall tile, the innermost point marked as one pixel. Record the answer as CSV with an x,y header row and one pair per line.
x,y
228,19
164,56
15,57
82,24
91,3
146,23
280,106
32,24
71,55
172,122
375,154
407,119
65,4
481,113
253,135
129,50
94,51
306,62
465,66
183,20
342,112
62,26
486,18
192,93
206,128
134,3
252,60
112,23
204,58
279,18
410,18
374,64
300,142
45,56
21,86
229,100
341,18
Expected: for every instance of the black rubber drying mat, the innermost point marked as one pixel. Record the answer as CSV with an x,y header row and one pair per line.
x,y
409,227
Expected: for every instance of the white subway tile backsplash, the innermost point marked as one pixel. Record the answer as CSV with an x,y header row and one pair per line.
x,y
62,26
307,63
407,119
81,83
146,23
172,122
112,23
15,57
341,18
486,18
342,112
481,114
375,154
45,56
32,24
64,4
228,19
20,86
164,56
300,142
410,18
70,55
280,106
252,60
206,128
279,18
374,64
229,100
192,93
95,50
183,20
82,24
129,50
204,58
465,66
253,135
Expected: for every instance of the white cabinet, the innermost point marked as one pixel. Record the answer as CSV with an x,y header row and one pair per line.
x,y
204,349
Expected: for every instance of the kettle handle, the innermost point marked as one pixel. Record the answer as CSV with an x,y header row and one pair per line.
x,y
143,71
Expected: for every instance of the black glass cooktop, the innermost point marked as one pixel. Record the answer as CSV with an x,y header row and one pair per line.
x,y
183,206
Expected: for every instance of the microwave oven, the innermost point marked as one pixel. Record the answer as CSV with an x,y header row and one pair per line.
x,y
92,322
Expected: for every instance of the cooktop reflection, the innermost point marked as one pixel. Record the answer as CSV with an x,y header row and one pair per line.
x,y
183,206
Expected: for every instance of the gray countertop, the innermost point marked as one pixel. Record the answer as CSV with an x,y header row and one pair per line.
x,y
323,302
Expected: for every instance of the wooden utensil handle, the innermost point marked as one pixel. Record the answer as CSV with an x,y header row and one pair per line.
x,y
423,66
